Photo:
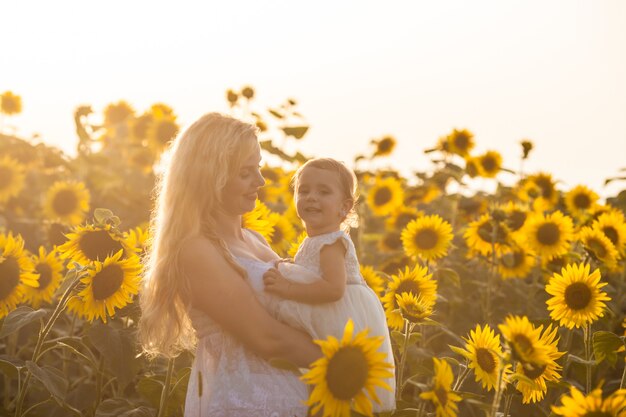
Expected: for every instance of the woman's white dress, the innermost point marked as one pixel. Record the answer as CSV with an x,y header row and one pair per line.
x,y
229,380
359,303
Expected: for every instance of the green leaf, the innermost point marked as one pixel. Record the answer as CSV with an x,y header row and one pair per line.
x,y
150,389
297,132
10,366
449,275
605,345
118,348
51,378
120,407
19,318
458,350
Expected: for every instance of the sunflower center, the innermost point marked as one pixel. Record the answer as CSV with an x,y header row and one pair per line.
x,y
548,234
6,175
382,196
611,233
98,244
577,296
9,276
485,360
278,236
597,247
512,260
546,187
522,344
166,131
65,202
407,286
347,373
107,282
597,414
533,371
488,163
385,145
461,141
393,241
442,396
582,201
426,239
45,275
485,232
516,220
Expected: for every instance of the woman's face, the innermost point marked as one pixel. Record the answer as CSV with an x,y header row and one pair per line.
x,y
241,191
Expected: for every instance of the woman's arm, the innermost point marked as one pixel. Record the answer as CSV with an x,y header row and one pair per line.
x,y
328,289
219,290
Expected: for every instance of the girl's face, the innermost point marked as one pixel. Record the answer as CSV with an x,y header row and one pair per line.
x,y
320,202
241,191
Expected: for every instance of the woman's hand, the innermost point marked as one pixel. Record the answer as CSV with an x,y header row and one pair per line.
x,y
276,283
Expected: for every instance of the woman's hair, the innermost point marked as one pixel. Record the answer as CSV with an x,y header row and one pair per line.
x,y
188,196
347,184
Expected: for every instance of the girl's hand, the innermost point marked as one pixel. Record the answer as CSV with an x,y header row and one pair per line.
x,y
276,283
282,260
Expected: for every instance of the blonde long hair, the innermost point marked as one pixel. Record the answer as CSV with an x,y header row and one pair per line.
x,y
188,195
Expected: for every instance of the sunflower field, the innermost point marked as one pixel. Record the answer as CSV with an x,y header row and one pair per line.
x,y
502,303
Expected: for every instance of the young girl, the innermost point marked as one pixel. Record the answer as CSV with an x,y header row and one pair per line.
x,y
324,288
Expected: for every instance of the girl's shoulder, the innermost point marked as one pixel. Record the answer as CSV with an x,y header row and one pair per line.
x,y
322,240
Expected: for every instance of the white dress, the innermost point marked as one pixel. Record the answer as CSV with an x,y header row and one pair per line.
x,y
229,380
359,302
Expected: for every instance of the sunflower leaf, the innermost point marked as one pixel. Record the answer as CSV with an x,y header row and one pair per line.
x,y
297,132
19,318
51,378
10,366
605,345
285,365
458,350
123,408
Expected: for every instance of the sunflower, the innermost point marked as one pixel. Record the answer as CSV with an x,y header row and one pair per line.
x,y
293,248
401,217
580,202
284,234
515,263
614,228
576,296
384,146
109,285
549,235
421,194
16,272
472,166
548,195
67,202
413,308
533,387
91,243
395,264
347,374
49,270
428,237
390,242
484,353
599,246
524,340
480,237
416,281
138,239
576,404
163,127
442,396
489,164
459,142
385,196
116,113
10,103
260,220
516,216
372,279
11,178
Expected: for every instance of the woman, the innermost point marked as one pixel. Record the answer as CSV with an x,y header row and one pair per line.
x,y
204,281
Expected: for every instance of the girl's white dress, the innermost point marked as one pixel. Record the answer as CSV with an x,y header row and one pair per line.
x,y
229,380
359,303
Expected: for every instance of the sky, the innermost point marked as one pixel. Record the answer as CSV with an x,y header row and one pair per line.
x,y
548,71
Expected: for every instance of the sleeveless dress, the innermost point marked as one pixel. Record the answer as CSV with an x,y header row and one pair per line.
x,y
359,302
229,380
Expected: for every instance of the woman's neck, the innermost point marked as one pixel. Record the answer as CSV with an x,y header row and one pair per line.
x,y
228,227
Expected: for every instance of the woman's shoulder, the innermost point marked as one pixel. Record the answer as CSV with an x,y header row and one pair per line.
x,y
197,249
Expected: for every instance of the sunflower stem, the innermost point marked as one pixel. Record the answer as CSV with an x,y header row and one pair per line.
x,y
587,343
622,384
43,334
165,393
495,405
507,404
407,331
461,378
